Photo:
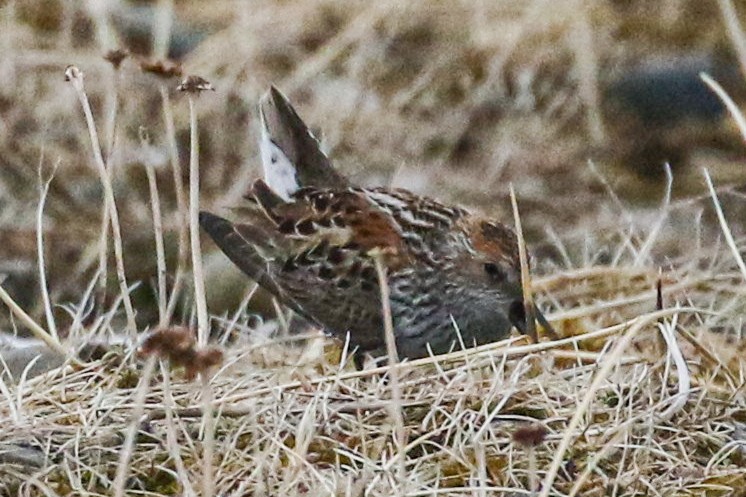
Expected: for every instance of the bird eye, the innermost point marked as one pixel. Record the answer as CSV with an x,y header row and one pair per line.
x,y
494,271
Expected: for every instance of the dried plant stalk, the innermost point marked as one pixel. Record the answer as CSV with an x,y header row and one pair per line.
x,y
395,405
528,296
75,76
181,203
203,326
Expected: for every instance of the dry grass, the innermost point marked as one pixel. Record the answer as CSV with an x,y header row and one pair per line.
x,y
291,422
634,400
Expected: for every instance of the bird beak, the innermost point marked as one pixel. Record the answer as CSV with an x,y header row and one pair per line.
x,y
517,317
548,328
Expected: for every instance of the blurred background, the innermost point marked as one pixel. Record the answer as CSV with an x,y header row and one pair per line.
x,y
579,104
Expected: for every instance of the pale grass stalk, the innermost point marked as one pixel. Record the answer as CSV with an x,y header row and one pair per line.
x,y
77,324
481,463
344,358
610,191
230,325
43,192
732,107
66,30
604,371
647,246
533,473
39,332
125,454
460,337
181,203
586,63
172,444
510,491
109,315
284,324
112,106
103,250
33,480
13,409
711,358
528,296
199,280
668,330
559,279
595,309
99,11
395,406
724,225
593,463
164,19
503,348
75,76
155,204
518,372
208,444
588,357
22,387
560,246
735,31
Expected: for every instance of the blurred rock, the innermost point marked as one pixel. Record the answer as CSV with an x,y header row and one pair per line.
x,y
664,93
24,456
662,112
135,24
18,354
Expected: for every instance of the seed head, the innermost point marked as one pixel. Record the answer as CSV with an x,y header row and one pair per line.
x,y
178,345
115,57
165,69
72,73
169,343
195,84
530,436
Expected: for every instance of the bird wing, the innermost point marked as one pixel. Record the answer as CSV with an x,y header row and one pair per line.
x,y
315,253
429,229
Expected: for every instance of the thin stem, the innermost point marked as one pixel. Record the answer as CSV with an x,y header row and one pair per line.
x,y
208,447
533,477
39,332
395,406
199,281
112,105
181,204
76,77
735,30
137,413
724,224
609,363
172,443
162,32
732,107
528,297
103,252
44,191
155,203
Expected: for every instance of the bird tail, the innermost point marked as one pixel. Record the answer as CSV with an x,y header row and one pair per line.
x,y
291,156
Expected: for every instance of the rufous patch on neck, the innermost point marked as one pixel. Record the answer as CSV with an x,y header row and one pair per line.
x,y
494,239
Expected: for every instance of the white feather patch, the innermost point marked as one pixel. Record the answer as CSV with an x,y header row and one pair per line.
x,y
279,172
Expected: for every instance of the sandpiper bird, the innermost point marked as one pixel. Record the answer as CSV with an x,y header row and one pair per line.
x,y
308,237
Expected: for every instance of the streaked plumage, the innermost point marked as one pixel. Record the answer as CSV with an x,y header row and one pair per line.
x,y
311,247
